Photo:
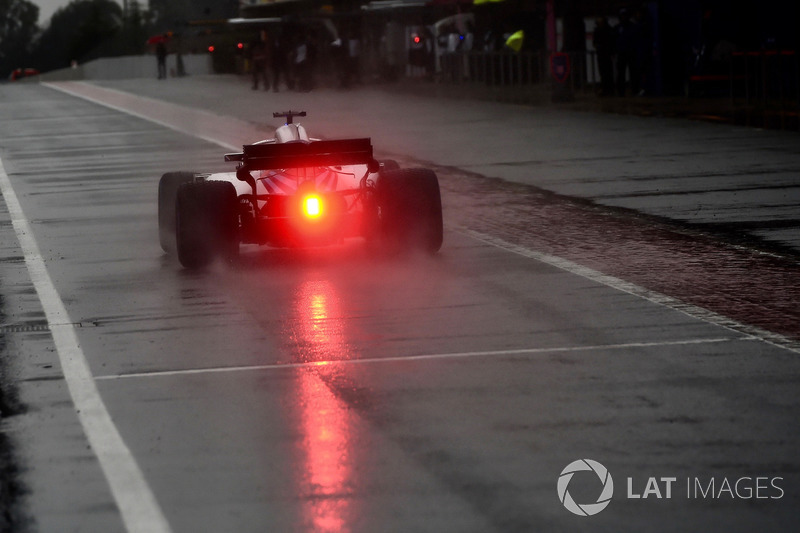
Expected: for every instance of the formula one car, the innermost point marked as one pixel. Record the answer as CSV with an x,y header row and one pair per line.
x,y
295,191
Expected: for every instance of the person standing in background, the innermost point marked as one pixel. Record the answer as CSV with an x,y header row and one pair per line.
x,y
604,40
279,62
161,57
259,51
628,54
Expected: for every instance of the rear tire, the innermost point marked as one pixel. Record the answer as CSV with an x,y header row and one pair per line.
x,y
207,223
167,196
410,209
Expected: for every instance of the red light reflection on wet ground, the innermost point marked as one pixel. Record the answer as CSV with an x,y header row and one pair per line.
x,y
325,423
328,464
319,328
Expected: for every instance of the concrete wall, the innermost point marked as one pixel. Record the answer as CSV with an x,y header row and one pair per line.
x,y
126,67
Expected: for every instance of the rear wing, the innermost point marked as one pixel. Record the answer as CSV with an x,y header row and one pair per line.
x,y
298,155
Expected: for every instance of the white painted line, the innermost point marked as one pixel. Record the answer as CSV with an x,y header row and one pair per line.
x,y
137,504
422,357
172,116
693,311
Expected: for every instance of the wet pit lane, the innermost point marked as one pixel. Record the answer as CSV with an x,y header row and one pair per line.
x,y
747,281
336,390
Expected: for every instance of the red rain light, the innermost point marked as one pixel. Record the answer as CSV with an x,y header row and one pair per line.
x,y
312,206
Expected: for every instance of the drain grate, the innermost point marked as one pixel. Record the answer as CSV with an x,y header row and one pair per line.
x,y
24,328
28,328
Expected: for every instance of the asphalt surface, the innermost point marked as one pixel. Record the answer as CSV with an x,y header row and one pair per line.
x,y
614,288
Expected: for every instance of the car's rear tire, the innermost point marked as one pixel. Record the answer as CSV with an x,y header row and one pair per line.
x,y
167,195
371,223
410,209
207,223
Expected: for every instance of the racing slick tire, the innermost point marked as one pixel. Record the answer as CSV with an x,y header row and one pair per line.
x,y
372,227
206,223
167,195
411,209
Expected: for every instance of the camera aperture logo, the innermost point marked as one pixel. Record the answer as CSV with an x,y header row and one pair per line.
x,y
585,509
742,488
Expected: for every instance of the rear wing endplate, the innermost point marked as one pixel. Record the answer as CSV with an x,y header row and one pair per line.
x,y
312,154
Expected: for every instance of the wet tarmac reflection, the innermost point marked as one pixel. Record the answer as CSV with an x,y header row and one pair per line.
x,y
318,331
326,425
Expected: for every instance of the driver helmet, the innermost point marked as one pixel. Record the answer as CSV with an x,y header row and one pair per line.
x,y
291,133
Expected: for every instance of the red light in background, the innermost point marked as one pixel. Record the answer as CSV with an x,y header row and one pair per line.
x,y
417,39
240,46
211,48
